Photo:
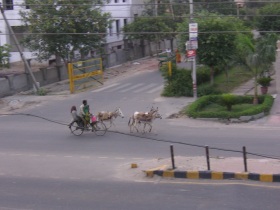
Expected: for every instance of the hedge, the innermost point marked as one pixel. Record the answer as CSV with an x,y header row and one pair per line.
x,y
194,110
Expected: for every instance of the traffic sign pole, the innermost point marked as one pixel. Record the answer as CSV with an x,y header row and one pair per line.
x,y
193,33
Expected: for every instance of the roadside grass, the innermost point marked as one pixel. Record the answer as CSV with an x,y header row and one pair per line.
x,y
236,77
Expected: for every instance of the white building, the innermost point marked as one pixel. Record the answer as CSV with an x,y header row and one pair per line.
x,y
122,12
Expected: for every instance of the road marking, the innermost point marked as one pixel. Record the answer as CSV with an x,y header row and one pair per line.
x,y
119,158
68,156
119,87
103,157
207,183
145,88
34,155
132,87
74,178
137,158
104,88
156,89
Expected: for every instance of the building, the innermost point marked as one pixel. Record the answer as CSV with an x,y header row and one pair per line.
x,y
122,12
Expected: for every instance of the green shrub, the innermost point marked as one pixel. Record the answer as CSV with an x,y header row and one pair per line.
x,y
195,110
41,92
228,100
179,83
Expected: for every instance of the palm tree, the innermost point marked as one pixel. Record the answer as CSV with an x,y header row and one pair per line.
x,y
257,57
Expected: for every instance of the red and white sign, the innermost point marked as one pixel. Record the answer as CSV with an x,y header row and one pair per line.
x,y
191,53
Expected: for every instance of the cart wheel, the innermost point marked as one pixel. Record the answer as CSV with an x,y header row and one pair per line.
x,y
99,128
76,129
107,124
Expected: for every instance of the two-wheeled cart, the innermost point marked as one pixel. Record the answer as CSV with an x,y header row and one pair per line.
x,y
78,128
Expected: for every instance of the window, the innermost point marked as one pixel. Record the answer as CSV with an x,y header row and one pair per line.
x,y
135,16
110,30
123,0
119,47
118,27
8,5
26,4
124,22
116,1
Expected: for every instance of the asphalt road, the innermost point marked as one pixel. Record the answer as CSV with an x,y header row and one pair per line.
x,y
43,166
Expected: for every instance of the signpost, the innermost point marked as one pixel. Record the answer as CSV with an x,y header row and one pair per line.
x,y
192,46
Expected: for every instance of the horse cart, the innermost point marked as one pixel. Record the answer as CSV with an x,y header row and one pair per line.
x,y
77,128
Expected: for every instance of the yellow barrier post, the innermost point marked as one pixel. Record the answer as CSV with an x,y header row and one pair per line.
x,y
169,68
70,74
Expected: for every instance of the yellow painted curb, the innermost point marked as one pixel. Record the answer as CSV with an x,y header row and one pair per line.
x,y
266,178
217,175
193,175
241,175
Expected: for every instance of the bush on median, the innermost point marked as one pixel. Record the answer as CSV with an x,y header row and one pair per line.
x,y
197,108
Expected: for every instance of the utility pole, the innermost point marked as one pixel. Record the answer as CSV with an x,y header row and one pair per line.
x,y
193,33
19,50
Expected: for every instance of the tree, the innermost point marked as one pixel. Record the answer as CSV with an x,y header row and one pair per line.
x,y
256,57
217,6
64,27
170,12
147,28
4,56
216,39
269,19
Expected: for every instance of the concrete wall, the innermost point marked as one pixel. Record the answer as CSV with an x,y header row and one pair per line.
x,y
14,83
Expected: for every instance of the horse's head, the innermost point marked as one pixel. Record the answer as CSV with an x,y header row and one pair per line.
x,y
119,112
157,115
153,110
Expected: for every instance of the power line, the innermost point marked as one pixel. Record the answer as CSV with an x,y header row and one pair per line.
x,y
156,17
154,139
139,4
143,32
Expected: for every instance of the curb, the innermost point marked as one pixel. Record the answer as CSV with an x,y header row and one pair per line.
x,y
214,175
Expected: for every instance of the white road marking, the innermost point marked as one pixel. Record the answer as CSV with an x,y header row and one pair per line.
x,y
119,87
103,157
156,89
104,88
145,88
132,87
119,158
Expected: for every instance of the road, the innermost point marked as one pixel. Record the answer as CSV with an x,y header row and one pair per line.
x,y
43,166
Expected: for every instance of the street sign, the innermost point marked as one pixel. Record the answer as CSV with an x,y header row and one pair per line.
x,y
193,29
191,53
193,43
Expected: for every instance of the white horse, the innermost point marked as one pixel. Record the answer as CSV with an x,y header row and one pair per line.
x,y
145,118
108,117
